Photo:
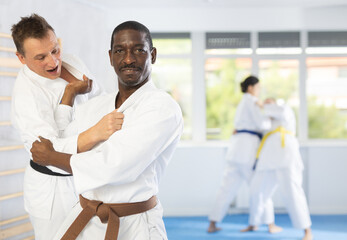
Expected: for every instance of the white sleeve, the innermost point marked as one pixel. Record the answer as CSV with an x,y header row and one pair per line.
x,y
63,116
274,111
33,116
262,122
128,152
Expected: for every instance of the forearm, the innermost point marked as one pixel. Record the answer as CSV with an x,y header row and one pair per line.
x,y
87,140
68,97
61,160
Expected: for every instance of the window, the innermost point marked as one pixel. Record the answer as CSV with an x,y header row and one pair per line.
x,y
280,62
223,93
279,79
226,65
173,72
326,97
327,84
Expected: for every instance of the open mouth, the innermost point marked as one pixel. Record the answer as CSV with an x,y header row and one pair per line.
x,y
53,70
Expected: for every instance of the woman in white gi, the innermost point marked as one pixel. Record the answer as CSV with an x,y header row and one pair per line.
x,y
249,123
280,165
41,84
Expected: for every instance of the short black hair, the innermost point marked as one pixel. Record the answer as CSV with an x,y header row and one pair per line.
x,y
33,26
133,25
249,81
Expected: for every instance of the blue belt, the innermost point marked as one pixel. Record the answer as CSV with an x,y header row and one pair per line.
x,y
258,134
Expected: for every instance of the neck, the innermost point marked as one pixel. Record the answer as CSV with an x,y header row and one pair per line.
x,y
121,97
126,91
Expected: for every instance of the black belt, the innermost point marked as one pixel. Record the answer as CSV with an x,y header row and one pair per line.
x,y
46,170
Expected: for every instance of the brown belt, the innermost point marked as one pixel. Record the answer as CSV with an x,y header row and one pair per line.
x,y
108,213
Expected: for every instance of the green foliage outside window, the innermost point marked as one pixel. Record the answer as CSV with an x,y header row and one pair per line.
x,y
279,80
223,94
326,122
327,96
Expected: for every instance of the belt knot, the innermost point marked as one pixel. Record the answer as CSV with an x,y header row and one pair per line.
x,y
104,211
99,209
107,213
93,205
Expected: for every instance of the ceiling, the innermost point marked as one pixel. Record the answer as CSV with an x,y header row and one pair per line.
x,y
114,4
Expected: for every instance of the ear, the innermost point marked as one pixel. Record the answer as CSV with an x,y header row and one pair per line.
x,y
20,57
154,55
110,55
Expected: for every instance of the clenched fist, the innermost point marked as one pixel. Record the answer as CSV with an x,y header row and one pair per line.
x,y
101,131
109,124
41,151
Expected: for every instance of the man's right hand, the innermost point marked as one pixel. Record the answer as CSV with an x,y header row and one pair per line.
x,y
109,124
101,131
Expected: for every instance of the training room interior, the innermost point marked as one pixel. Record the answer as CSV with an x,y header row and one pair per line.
x,y
205,48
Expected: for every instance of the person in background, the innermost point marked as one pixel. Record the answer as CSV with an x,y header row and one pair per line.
x,y
240,157
280,165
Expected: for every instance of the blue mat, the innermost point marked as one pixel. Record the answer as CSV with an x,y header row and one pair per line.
x,y
325,227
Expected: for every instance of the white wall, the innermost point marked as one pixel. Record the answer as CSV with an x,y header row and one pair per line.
x,y
233,19
194,174
190,183
327,178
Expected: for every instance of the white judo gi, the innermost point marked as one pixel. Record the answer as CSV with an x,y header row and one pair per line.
x,y
129,165
280,165
240,158
36,112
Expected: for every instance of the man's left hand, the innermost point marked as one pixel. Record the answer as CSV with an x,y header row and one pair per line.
x,y
80,87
